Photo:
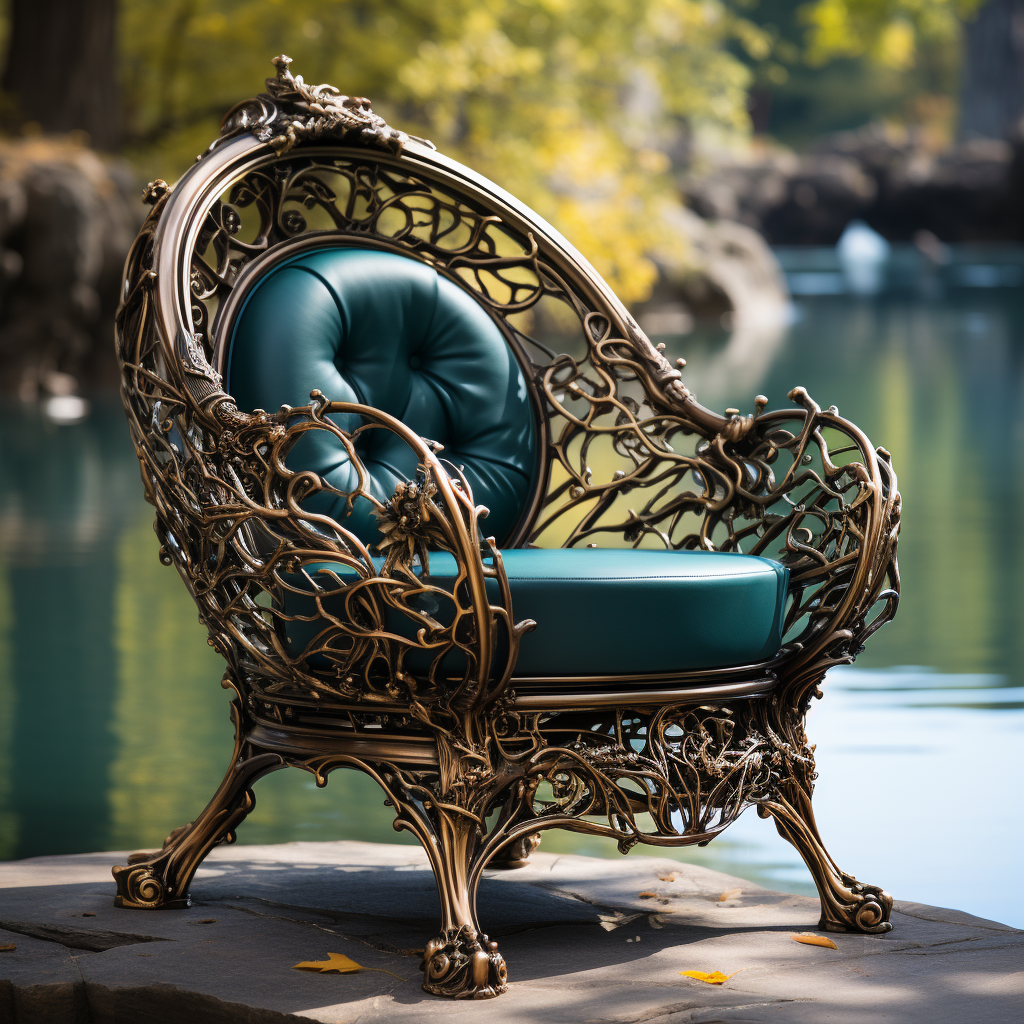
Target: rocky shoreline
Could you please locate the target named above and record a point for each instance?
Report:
(971, 192)
(586, 940)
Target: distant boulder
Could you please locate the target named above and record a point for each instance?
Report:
(969, 193)
(67, 220)
(823, 195)
(728, 274)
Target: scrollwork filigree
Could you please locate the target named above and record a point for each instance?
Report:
(464, 965)
(410, 677)
(291, 112)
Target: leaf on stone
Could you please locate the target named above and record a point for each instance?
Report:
(730, 894)
(648, 895)
(609, 922)
(335, 962)
(668, 876)
(338, 963)
(811, 939)
(712, 978)
(7, 947)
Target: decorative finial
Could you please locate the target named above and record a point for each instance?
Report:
(290, 111)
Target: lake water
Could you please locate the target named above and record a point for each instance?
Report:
(114, 730)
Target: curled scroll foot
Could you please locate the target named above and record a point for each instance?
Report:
(161, 880)
(463, 964)
(868, 911)
(846, 904)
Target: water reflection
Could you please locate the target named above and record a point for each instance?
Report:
(66, 495)
(941, 383)
(113, 728)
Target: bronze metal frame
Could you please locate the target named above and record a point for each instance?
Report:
(475, 761)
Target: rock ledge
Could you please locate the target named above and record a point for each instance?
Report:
(585, 940)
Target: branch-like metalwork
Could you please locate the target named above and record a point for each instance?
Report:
(349, 654)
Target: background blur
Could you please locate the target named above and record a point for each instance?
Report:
(828, 194)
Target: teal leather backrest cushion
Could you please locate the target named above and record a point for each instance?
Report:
(389, 332)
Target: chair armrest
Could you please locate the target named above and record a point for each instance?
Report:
(803, 486)
(806, 487)
(258, 539)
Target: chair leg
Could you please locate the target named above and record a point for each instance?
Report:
(462, 962)
(162, 879)
(846, 904)
(515, 855)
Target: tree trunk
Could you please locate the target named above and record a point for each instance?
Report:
(992, 97)
(62, 66)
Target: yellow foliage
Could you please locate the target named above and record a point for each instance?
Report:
(895, 46)
(571, 105)
(887, 31)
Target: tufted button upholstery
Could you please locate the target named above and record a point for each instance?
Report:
(389, 332)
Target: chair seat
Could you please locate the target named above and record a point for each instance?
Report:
(621, 612)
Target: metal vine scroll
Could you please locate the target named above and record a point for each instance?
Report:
(347, 654)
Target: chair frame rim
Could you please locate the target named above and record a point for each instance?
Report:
(689, 750)
(198, 189)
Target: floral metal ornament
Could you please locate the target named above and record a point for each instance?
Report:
(410, 678)
(409, 522)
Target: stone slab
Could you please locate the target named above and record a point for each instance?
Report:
(581, 944)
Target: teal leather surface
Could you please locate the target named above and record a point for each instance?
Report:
(610, 612)
(386, 331)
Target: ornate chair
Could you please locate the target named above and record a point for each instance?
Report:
(422, 342)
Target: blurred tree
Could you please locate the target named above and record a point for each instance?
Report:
(992, 95)
(61, 67)
(578, 107)
(888, 31)
(839, 64)
(892, 32)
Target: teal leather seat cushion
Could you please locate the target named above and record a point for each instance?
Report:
(389, 332)
(614, 612)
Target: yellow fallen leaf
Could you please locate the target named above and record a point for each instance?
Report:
(730, 894)
(609, 922)
(7, 947)
(338, 963)
(714, 978)
(815, 940)
(668, 876)
(648, 895)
